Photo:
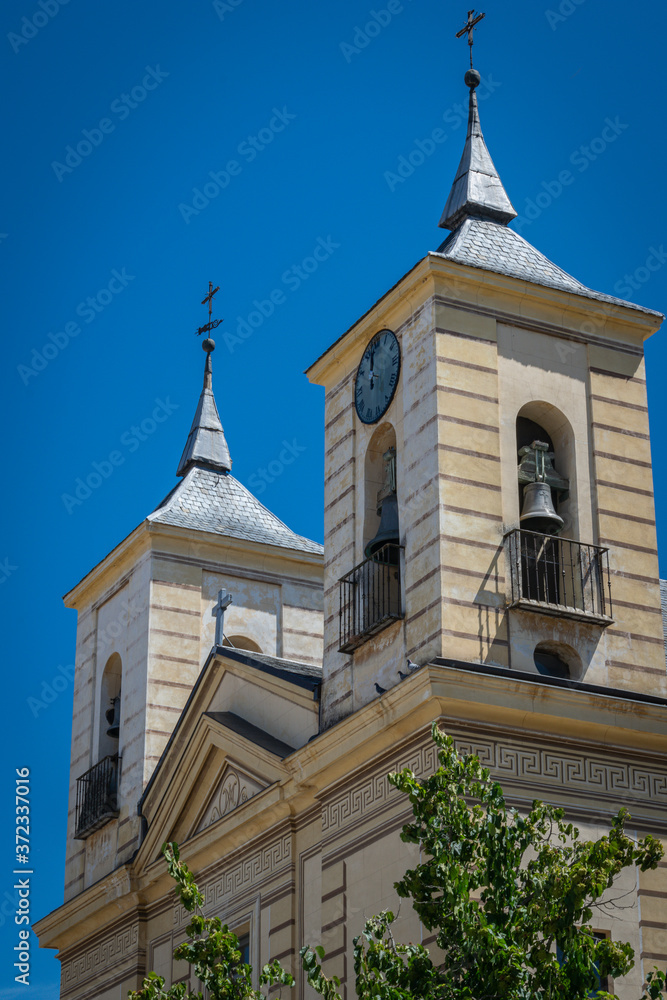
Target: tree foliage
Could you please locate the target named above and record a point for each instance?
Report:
(500, 890)
(212, 949)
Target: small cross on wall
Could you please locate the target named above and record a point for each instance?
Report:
(224, 600)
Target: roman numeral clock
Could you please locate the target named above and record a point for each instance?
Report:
(377, 377)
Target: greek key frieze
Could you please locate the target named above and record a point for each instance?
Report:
(508, 761)
(239, 876)
(110, 951)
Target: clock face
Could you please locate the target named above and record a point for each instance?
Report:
(377, 377)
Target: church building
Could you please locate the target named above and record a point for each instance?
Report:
(489, 561)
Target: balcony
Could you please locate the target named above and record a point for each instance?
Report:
(97, 796)
(370, 597)
(558, 576)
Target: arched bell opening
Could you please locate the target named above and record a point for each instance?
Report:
(381, 524)
(242, 642)
(546, 470)
(110, 706)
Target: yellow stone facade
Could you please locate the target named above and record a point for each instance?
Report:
(268, 762)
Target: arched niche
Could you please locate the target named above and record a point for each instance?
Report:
(558, 659)
(543, 421)
(110, 689)
(384, 438)
(242, 642)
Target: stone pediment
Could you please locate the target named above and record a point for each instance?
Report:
(234, 787)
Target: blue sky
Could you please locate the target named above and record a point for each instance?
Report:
(226, 141)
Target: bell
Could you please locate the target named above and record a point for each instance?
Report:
(388, 528)
(113, 718)
(538, 512)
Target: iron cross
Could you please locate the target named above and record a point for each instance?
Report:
(224, 600)
(469, 26)
(211, 325)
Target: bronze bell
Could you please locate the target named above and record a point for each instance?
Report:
(388, 528)
(538, 512)
(113, 718)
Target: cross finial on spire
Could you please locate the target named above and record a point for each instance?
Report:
(224, 600)
(469, 27)
(211, 325)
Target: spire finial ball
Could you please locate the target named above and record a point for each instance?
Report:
(208, 345)
(472, 79)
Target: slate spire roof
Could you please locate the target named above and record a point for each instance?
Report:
(478, 211)
(209, 498)
(477, 191)
(206, 445)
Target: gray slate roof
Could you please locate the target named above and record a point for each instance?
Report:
(206, 442)
(477, 189)
(491, 246)
(663, 602)
(217, 502)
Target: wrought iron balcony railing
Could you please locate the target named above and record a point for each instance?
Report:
(97, 796)
(370, 597)
(559, 576)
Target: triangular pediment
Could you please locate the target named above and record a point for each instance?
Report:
(233, 789)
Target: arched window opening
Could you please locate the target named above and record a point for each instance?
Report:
(110, 705)
(380, 501)
(242, 642)
(545, 456)
(557, 659)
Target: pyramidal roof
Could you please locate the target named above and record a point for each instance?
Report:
(493, 247)
(212, 501)
(478, 211)
(209, 498)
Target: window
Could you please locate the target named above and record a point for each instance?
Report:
(110, 707)
(557, 659)
(605, 983)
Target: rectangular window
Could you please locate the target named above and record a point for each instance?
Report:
(604, 983)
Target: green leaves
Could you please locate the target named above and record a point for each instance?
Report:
(212, 949)
(500, 890)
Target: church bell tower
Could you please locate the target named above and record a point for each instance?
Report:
(488, 493)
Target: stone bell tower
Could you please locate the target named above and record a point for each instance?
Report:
(522, 522)
(147, 625)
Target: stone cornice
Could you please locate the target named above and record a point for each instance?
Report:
(473, 285)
